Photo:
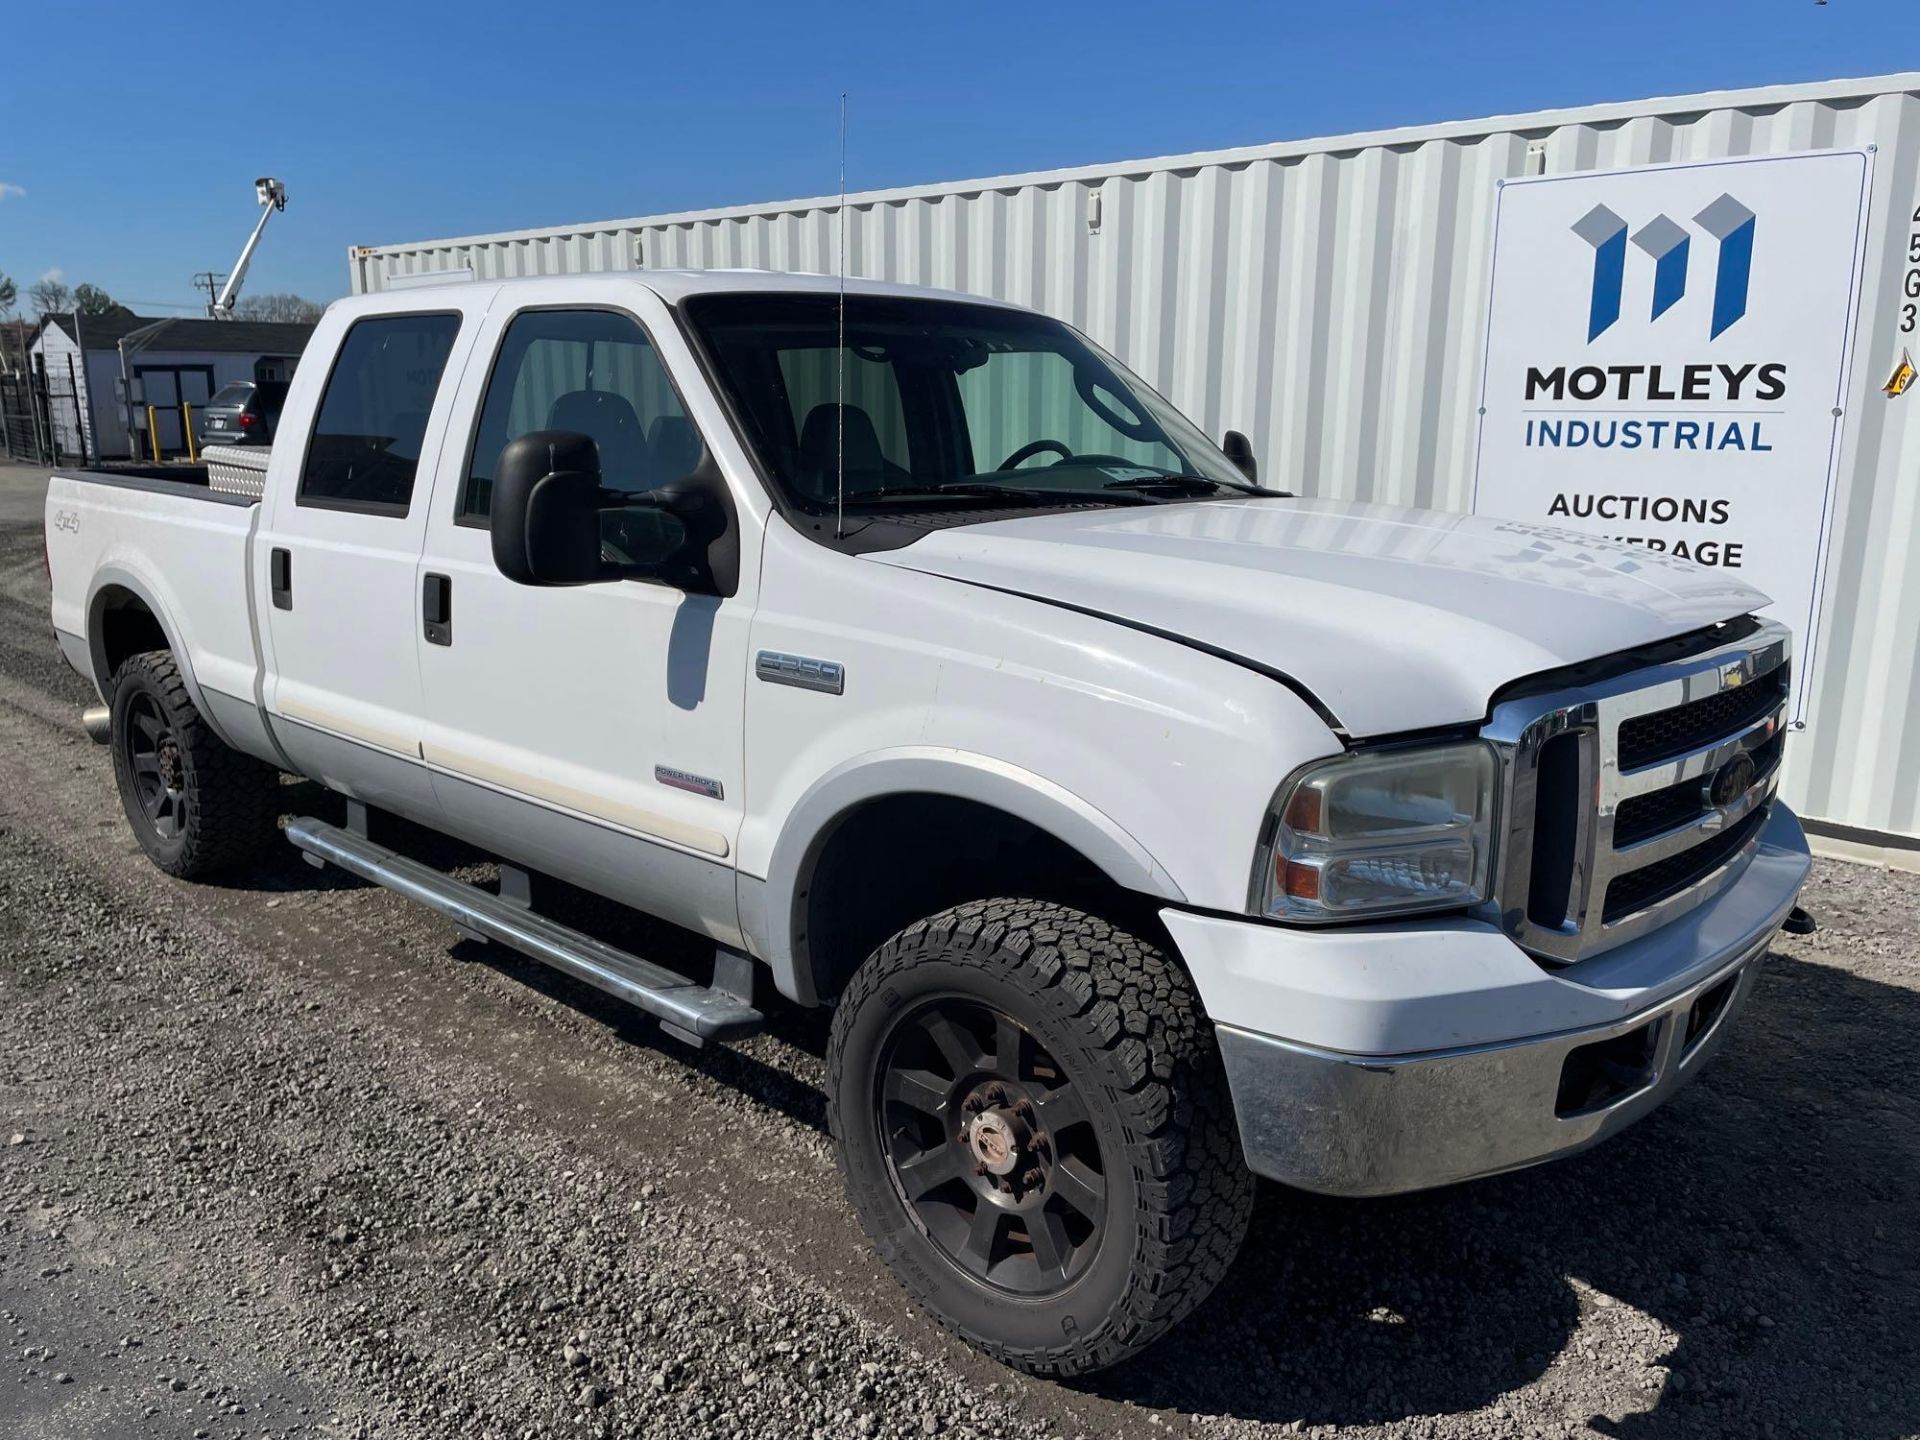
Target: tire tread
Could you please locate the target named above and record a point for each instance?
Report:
(1138, 1006)
(232, 798)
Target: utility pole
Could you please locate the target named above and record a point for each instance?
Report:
(209, 281)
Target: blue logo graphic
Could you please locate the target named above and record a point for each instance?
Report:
(1726, 221)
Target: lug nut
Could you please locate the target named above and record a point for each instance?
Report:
(1031, 1179)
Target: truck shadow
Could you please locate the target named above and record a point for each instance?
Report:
(804, 1030)
(1744, 1261)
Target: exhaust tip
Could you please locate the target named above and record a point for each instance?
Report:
(1799, 922)
(97, 721)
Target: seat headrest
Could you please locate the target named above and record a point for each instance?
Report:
(610, 421)
(820, 448)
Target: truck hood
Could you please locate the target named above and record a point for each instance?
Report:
(1393, 619)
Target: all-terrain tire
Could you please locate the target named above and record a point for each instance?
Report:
(1120, 1020)
(217, 808)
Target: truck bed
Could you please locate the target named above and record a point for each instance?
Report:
(125, 539)
(187, 481)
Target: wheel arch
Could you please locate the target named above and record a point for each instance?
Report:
(124, 615)
(977, 789)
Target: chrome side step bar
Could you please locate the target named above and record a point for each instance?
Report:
(690, 1011)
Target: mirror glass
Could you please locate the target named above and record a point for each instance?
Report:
(640, 535)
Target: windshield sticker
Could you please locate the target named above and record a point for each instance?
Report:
(1130, 472)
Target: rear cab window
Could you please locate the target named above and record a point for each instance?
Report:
(365, 447)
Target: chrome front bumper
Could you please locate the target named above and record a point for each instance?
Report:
(1360, 1124)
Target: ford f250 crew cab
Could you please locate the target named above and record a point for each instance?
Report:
(1149, 830)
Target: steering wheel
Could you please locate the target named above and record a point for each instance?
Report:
(1031, 449)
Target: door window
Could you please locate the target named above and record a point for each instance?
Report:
(373, 416)
(589, 371)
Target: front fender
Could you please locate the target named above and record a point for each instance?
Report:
(770, 910)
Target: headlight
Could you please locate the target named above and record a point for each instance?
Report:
(1379, 833)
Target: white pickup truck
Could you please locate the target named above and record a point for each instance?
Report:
(1148, 829)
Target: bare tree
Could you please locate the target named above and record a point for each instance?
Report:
(9, 297)
(295, 308)
(50, 296)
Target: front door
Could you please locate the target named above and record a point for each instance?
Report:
(339, 543)
(592, 731)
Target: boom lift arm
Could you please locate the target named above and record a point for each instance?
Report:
(272, 196)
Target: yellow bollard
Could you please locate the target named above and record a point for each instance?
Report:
(186, 428)
(153, 435)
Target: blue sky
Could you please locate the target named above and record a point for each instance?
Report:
(400, 122)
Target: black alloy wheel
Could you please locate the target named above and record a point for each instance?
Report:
(197, 806)
(990, 1146)
(152, 755)
(1030, 1114)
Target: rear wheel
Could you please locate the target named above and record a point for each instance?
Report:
(1034, 1127)
(197, 806)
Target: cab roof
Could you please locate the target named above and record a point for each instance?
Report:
(676, 285)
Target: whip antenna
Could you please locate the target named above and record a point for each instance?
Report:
(840, 353)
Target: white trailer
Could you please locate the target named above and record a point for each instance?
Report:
(1330, 297)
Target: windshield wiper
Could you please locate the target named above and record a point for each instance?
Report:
(972, 490)
(1188, 483)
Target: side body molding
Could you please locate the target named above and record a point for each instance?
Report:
(772, 913)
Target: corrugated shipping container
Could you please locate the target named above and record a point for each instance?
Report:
(1329, 297)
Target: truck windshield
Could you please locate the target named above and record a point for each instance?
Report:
(944, 399)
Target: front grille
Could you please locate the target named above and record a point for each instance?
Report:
(1649, 739)
(1641, 817)
(1657, 812)
(1650, 884)
(1557, 792)
(1610, 828)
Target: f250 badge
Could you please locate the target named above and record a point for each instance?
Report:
(68, 520)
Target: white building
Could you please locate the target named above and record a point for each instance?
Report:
(175, 364)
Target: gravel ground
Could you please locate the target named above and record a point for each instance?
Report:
(286, 1158)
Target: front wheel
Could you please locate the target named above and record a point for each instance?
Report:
(1032, 1121)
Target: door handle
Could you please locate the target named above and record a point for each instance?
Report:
(280, 578)
(436, 609)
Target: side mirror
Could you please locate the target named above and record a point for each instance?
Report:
(1237, 448)
(545, 512)
(554, 524)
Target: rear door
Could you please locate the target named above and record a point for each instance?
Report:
(340, 541)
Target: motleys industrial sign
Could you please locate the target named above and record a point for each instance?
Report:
(1667, 361)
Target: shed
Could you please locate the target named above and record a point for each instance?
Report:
(176, 363)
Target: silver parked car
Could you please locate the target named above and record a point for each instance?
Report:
(243, 413)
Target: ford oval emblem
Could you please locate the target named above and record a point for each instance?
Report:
(1730, 781)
